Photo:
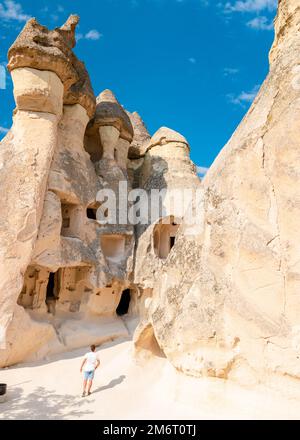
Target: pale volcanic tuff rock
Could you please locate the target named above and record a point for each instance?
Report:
(167, 162)
(109, 132)
(109, 112)
(220, 299)
(287, 23)
(51, 259)
(165, 136)
(166, 166)
(51, 50)
(226, 303)
(141, 137)
(137, 149)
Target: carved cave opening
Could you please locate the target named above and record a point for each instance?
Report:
(70, 220)
(91, 213)
(92, 209)
(52, 291)
(63, 289)
(123, 306)
(164, 238)
(113, 246)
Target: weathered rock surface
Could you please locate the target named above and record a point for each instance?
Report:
(218, 298)
(166, 167)
(51, 258)
(226, 302)
(109, 112)
(141, 137)
(25, 158)
(40, 48)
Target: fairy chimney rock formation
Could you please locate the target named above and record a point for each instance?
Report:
(231, 294)
(166, 136)
(222, 300)
(167, 162)
(51, 51)
(167, 167)
(141, 137)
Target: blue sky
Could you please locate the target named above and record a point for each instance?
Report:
(191, 65)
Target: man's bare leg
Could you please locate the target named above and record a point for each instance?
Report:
(84, 387)
(90, 386)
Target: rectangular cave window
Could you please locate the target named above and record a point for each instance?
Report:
(113, 246)
(172, 242)
(91, 211)
(66, 219)
(70, 220)
(164, 238)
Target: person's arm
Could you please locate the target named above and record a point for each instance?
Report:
(83, 362)
(97, 365)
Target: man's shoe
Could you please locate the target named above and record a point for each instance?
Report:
(83, 394)
(89, 393)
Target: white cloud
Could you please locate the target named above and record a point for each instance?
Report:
(3, 130)
(93, 35)
(261, 23)
(10, 10)
(229, 71)
(251, 6)
(201, 171)
(2, 76)
(244, 97)
(192, 60)
(56, 15)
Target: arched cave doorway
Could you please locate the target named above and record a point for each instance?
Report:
(124, 303)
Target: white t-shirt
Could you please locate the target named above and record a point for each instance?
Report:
(91, 361)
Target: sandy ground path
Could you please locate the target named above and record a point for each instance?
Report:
(125, 390)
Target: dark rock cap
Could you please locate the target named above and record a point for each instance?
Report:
(43, 49)
(110, 112)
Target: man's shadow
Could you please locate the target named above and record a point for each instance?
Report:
(111, 384)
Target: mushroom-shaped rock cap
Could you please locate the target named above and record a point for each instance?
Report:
(43, 49)
(110, 112)
(141, 137)
(165, 136)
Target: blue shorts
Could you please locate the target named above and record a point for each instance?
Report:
(89, 375)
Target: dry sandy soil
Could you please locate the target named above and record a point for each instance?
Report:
(127, 389)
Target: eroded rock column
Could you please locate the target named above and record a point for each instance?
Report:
(25, 159)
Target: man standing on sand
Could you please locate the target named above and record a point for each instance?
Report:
(90, 364)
